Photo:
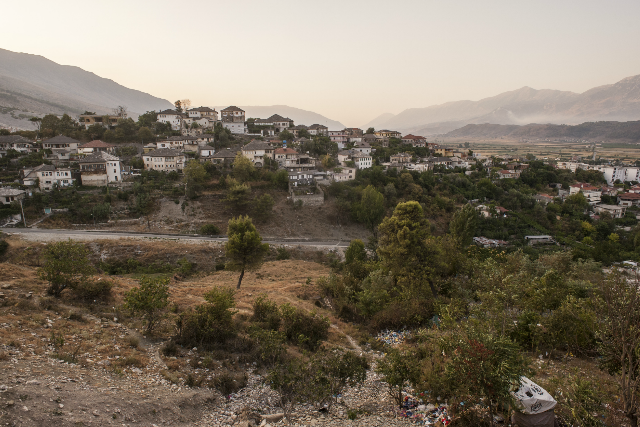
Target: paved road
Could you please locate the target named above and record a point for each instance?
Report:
(58, 234)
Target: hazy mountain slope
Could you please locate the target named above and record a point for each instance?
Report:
(598, 131)
(299, 116)
(619, 101)
(378, 122)
(37, 85)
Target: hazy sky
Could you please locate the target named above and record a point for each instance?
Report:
(348, 60)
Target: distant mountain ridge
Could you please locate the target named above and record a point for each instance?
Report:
(34, 85)
(594, 131)
(614, 102)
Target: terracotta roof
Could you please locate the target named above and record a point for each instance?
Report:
(96, 144)
(164, 152)
(286, 151)
(233, 108)
(61, 139)
(629, 196)
(413, 137)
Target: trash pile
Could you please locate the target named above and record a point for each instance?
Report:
(420, 413)
(393, 337)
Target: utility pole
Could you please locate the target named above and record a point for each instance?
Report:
(24, 221)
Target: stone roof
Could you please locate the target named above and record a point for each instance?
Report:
(170, 112)
(401, 155)
(61, 139)
(180, 138)
(99, 158)
(233, 108)
(279, 118)
(203, 110)
(8, 191)
(96, 144)
(13, 139)
(228, 153)
(256, 145)
(317, 126)
(164, 152)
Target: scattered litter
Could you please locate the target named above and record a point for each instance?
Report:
(393, 337)
(420, 413)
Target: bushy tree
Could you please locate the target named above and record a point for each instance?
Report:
(66, 266)
(463, 225)
(370, 210)
(243, 168)
(263, 207)
(209, 323)
(150, 300)
(244, 248)
(237, 194)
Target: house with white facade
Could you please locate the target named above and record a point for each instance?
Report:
(203, 112)
(317, 129)
(362, 147)
(593, 194)
(164, 159)
(96, 146)
(342, 174)
(233, 118)
(614, 210)
(361, 160)
(47, 177)
(16, 142)
(415, 141)
(256, 151)
(61, 143)
(173, 117)
(9, 195)
(100, 169)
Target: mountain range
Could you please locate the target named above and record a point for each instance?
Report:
(614, 102)
(33, 85)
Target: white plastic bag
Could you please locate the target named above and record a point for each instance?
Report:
(533, 399)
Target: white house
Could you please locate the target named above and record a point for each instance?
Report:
(164, 159)
(48, 177)
(172, 117)
(100, 169)
(256, 151)
(9, 195)
(96, 146)
(61, 143)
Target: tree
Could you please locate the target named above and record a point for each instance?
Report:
(483, 367)
(144, 133)
(186, 104)
(370, 210)
(120, 111)
(370, 131)
(463, 225)
(281, 179)
(405, 249)
(178, 105)
(285, 135)
(398, 368)
(66, 266)
(151, 298)
(243, 168)
(263, 207)
(148, 119)
(195, 172)
(619, 312)
(237, 195)
(327, 162)
(244, 247)
(36, 121)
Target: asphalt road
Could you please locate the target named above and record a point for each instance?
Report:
(55, 234)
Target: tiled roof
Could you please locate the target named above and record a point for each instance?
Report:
(286, 151)
(99, 158)
(8, 191)
(96, 144)
(170, 112)
(13, 139)
(164, 152)
(629, 196)
(233, 108)
(228, 153)
(61, 139)
(256, 145)
(203, 110)
(279, 118)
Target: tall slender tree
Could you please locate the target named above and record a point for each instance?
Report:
(244, 249)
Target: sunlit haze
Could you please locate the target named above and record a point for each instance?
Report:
(348, 60)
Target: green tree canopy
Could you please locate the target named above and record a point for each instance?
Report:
(370, 210)
(463, 225)
(150, 299)
(66, 266)
(243, 168)
(244, 249)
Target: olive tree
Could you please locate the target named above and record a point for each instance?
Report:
(150, 299)
(244, 249)
(66, 266)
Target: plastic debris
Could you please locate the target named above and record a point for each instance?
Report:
(425, 414)
(393, 337)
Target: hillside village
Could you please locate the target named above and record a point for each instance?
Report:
(384, 250)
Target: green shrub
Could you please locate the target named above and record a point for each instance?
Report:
(94, 289)
(282, 254)
(3, 247)
(150, 300)
(267, 312)
(170, 349)
(66, 266)
(209, 230)
(209, 323)
(307, 330)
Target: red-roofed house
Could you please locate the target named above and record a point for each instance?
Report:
(506, 174)
(96, 146)
(593, 194)
(629, 199)
(416, 141)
